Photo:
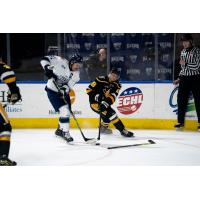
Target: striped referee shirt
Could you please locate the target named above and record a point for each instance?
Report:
(192, 62)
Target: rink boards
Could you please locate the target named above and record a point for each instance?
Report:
(139, 105)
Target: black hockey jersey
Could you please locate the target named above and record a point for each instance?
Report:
(106, 90)
(7, 75)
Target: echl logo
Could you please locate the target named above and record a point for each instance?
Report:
(130, 100)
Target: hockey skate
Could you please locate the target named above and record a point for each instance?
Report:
(65, 135)
(179, 126)
(59, 132)
(126, 133)
(105, 130)
(198, 128)
(5, 161)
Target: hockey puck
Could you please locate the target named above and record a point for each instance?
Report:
(97, 143)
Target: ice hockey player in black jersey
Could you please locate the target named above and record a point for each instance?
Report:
(102, 93)
(7, 76)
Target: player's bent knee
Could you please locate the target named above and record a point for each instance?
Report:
(64, 112)
(5, 127)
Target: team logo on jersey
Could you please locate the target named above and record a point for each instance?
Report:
(63, 66)
(173, 103)
(130, 100)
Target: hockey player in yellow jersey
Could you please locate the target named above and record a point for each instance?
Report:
(7, 76)
(102, 93)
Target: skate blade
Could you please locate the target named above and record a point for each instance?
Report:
(64, 139)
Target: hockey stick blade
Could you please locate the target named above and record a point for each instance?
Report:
(91, 141)
(132, 145)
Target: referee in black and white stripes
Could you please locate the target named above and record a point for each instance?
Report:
(188, 79)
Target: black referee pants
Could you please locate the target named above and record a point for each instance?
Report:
(187, 85)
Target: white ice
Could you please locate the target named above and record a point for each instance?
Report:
(40, 147)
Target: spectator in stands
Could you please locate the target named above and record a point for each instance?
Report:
(96, 64)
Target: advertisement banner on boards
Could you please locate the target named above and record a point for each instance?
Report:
(141, 101)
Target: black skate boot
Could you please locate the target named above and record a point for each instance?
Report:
(67, 137)
(198, 128)
(5, 161)
(105, 130)
(179, 126)
(59, 132)
(126, 133)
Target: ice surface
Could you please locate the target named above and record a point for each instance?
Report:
(40, 147)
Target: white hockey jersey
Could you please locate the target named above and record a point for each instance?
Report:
(60, 67)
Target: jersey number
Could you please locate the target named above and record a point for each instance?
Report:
(93, 84)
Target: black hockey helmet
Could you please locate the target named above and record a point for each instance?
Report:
(116, 71)
(76, 58)
(116, 67)
(186, 37)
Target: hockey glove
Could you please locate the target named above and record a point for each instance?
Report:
(104, 106)
(67, 99)
(14, 95)
(65, 96)
(49, 73)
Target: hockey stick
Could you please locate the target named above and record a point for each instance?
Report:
(89, 140)
(5, 105)
(99, 134)
(132, 145)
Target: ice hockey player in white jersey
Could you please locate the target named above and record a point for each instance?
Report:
(62, 76)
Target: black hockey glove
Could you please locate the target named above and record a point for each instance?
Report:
(49, 73)
(104, 106)
(67, 99)
(13, 95)
(65, 96)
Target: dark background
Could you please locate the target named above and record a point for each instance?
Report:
(143, 56)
